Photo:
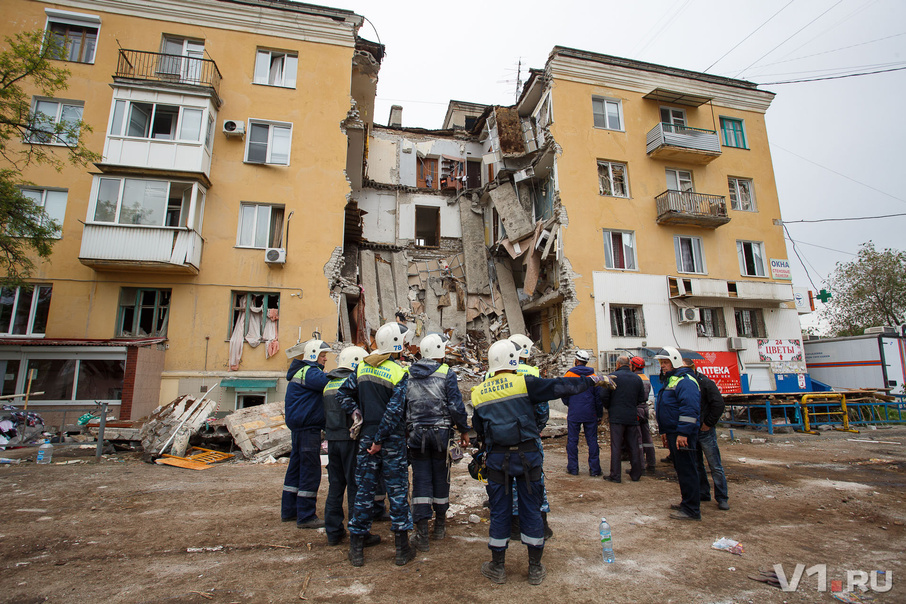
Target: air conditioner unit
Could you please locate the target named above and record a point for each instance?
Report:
(275, 255)
(689, 315)
(883, 329)
(736, 343)
(233, 128)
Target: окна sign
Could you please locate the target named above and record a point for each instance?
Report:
(780, 269)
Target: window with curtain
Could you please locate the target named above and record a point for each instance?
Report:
(619, 250)
(690, 256)
(751, 258)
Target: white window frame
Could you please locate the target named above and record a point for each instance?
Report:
(680, 177)
(698, 255)
(264, 67)
(709, 317)
(609, 167)
(736, 186)
(639, 322)
(41, 202)
(272, 128)
(629, 250)
(241, 395)
(54, 138)
(191, 214)
(605, 102)
(254, 227)
(65, 17)
(5, 330)
(757, 252)
(677, 121)
(188, 64)
(122, 112)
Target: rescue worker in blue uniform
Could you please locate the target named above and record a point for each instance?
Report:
(583, 413)
(678, 409)
(375, 395)
(304, 411)
(508, 420)
(341, 449)
(433, 407)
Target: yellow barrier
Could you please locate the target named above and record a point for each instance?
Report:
(825, 395)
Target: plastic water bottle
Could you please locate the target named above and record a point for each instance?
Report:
(606, 541)
(45, 453)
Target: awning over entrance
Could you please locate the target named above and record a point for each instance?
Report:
(247, 384)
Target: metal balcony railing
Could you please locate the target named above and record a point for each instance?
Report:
(173, 69)
(675, 142)
(690, 208)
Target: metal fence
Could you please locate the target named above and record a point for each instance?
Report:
(160, 67)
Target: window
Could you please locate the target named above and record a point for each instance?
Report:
(734, 135)
(426, 175)
(260, 226)
(55, 122)
(751, 258)
(181, 59)
(679, 180)
(619, 249)
(275, 68)
(145, 202)
(53, 202)
(157, 121)
(626, 321)
(750, 323)
(608, 113)
(690, 255)
(268, 143)
(673, 117)
(742, 194)
(711, 323)
(143, 313)
(254, 317)
(23, 311)
(68, 379)
(427, 226)
(76, 34)
(612, 179)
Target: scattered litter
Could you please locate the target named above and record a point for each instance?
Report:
(305, 585)
(769, 577)
(196, 550)
(8, 460)
(877, 442)
(474, 519)
(741, 460)
(853, 598)
(728, 545)
(204, 595)
(732, 568)
(758, 441)
(873, 460)
(70, 462)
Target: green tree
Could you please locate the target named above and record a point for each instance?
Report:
(28, 66)
(867, 292)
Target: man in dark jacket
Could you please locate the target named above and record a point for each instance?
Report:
(304, 411)
(622, 405)
(678, 408)
(712, 409)
(584, 411)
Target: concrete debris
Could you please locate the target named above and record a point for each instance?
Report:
(260, 430)
(171, 426)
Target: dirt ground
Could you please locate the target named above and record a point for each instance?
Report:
(125, 531)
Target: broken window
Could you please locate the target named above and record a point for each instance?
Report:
(473, 174)
(276, 68)
(742, 194)
(543, 197)
(690, 255)
(750, 323)
(250, 399)
(452, 173)
(619, 250)
(612, 179)
(268, 143)
(608, 113)
(427, 173)
(427, 226)
(626, 321)
(711, 323)
(143, 313)
(751, 258)
(254, 320)
(679, 180)
(674, 120)
(260, 226)
(23, 311)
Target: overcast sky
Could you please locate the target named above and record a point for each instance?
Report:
(837, 145)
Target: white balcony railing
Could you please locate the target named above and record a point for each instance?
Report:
(114, 247)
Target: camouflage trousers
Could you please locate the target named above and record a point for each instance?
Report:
(390, 463)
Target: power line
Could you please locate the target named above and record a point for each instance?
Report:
(844, 19)
(830, 249)
(666, 24)
(802, 262)
(795, 33)
(840, 174)
(747, 37)
(833, 50)
(838, 77)
(834, 71)
(844, 219)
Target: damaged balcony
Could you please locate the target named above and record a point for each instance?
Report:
(674, 142)
(687, 208)
(159, 250)
(179, 71)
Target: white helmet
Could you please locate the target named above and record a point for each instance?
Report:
(351, 356)
(313, 349)
(502, 355)
(583, 356)
(433, 346)
(392, 337)
(524, 343)
(671, 354)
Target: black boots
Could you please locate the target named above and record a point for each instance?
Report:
(536, 570)
(420, 539)
(404, 552)
(356, 546)
(440, 528)
(494, 570)
(548, 533)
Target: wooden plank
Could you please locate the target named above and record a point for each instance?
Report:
(181, 462)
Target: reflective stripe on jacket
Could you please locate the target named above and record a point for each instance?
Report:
(304, 406)
(380, 394)
(679, 403)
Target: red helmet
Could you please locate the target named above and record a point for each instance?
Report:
(636, 363)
